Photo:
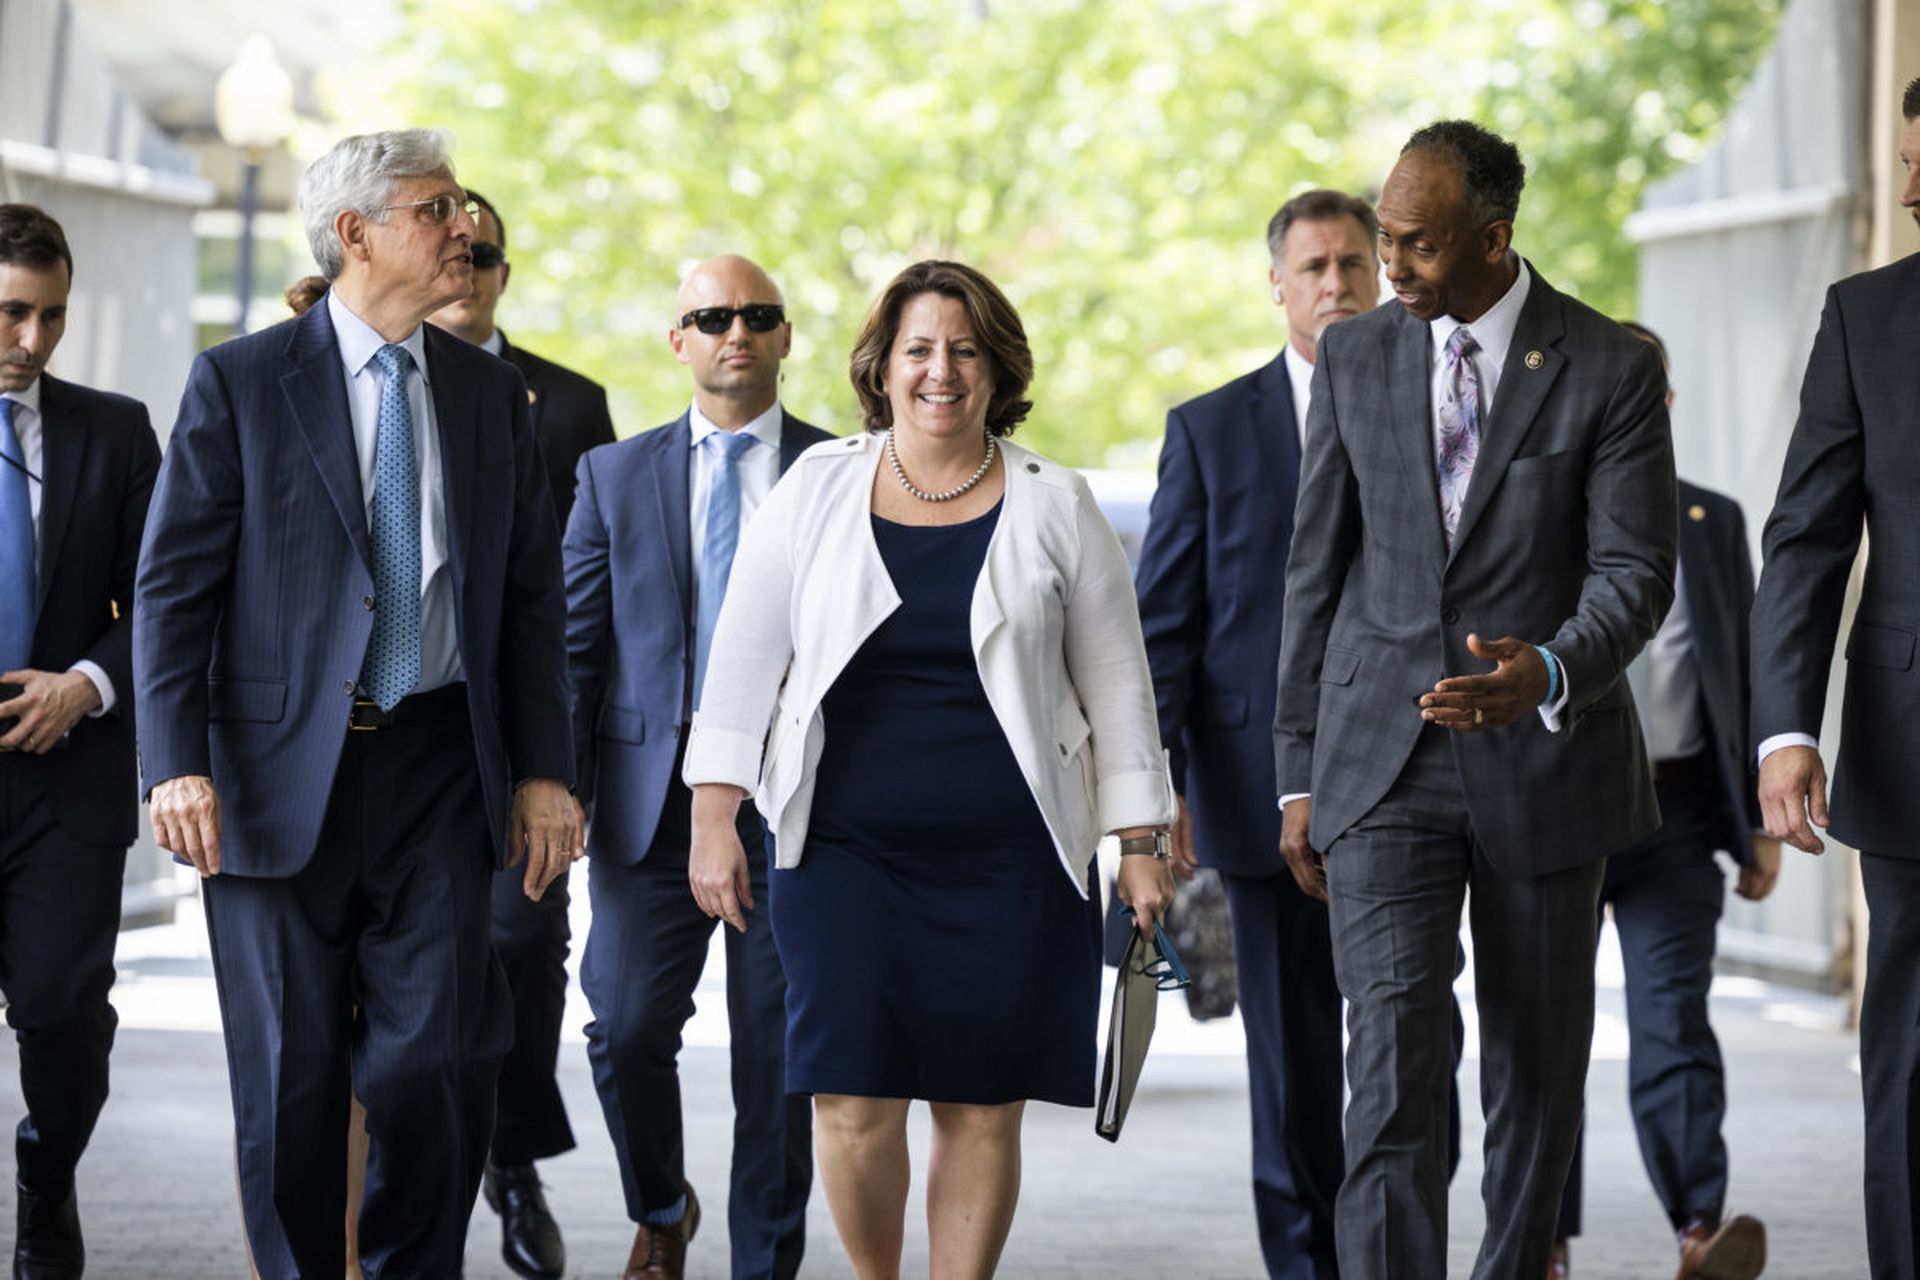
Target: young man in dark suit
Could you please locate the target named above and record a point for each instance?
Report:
(76, 471)
(1488, 481)
(1690, 688)
(1854, 464)
(349, 647)
(648, 553)
(531, 936)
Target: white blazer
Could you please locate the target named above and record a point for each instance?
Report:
(1055, 631)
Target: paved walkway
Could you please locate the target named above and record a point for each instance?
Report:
(1171, 1200)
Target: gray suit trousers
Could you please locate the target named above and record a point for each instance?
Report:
(1397, 881)
(1890, 1063)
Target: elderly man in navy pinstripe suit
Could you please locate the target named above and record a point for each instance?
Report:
(349, 647)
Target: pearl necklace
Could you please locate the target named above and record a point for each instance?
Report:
(945, 495)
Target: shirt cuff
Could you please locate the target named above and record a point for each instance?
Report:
(102, 684)
(1550, 712)
(1779, 740)
(1291, 796)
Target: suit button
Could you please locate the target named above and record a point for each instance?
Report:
(346, 687)
(1449, 615)
(367, 601)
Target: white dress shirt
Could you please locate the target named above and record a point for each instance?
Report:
(759, 469)
(439, 641)
(27, 426)
(1300, 375)
(1670, 715)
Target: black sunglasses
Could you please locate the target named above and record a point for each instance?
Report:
(488, 256)
(761, 317)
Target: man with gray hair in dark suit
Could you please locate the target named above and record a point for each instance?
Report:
(349, 651)
(1485, 458)
(1854, 464)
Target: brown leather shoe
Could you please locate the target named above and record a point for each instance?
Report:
(660, 1253)
(1559, 1262)
(1734, 1250)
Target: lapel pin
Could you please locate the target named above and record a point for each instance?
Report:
(1696, 512)
(1535, 359)
(531, 397)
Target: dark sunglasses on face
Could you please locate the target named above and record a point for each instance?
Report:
(761, 317)
(487, 256)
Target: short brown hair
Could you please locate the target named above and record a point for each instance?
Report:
(996, 327)
(1321, 205)
(30, 238)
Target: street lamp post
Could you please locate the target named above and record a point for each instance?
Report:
(253, 106)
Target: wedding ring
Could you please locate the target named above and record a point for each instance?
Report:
(1477, 717)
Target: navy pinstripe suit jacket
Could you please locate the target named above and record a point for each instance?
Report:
(251, 610)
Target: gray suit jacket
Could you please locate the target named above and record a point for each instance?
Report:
(1566, 538)
(1854, 460)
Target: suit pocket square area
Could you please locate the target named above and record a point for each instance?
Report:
(1876, 646)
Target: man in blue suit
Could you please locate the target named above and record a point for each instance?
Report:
(76, 470)
(648, 550)
(349, 653)
(1210, 604)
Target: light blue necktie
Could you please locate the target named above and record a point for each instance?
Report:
(392, 666)
(723, 537)
(1459, 445)
(16, 549)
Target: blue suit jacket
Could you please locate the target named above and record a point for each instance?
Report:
(1211, 582)
(254, 599)
(100, 456)
(630, 616)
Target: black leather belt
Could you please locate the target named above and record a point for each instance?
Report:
(434, 704)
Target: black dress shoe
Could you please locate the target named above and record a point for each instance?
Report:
(46, 1242)
(530, 1241)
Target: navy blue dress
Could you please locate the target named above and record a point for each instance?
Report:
(934, 946)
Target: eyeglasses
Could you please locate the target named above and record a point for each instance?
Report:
(1164, 966)
(761, 317)
(441, 209)
(487, 256)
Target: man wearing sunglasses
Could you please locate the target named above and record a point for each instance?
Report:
(569, 417)
(348, 653)
(648, 551)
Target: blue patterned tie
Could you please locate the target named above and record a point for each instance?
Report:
(392, 667)
(723, 537)
(1459, 444)
(16, 549)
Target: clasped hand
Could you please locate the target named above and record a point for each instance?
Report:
(48, 705)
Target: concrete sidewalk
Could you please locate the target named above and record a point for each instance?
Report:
(1170, 1200)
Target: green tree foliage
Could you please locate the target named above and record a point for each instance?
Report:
(1113, 165)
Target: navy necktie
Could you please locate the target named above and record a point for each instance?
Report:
(16, 549)
(392, 665)
(723, 538)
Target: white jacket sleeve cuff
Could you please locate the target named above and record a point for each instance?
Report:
(1143, 799)
(722, 755)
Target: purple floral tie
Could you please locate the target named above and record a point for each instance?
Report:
(1459, 443)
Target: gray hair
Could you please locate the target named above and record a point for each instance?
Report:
(358, 174)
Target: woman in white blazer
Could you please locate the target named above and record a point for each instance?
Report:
(929, 673)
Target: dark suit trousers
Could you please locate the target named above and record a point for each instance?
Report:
(1667, 893)
(1396, 882)
(59, 916)
(1890, 1063)
(644, 955)
(531, 940)
(1290, 1007)
(389, 916)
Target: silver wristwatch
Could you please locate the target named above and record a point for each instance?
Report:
(1159, 844)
